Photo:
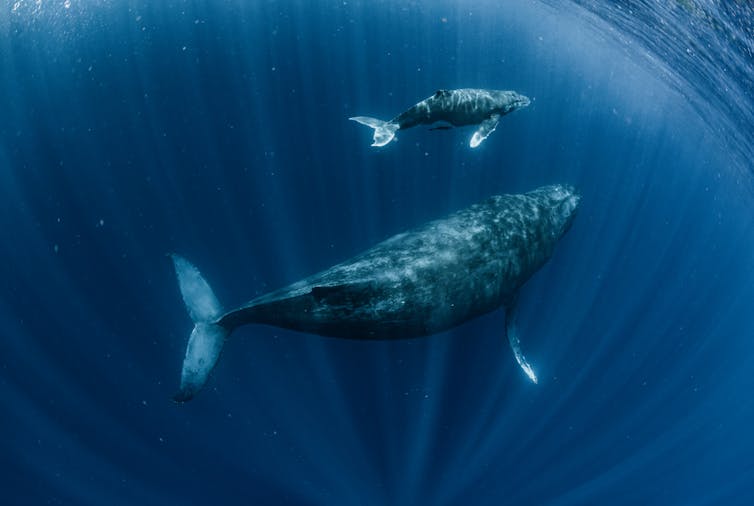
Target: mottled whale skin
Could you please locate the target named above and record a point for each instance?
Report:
(466, 106)
(414, 284)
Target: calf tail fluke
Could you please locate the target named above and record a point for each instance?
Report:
(384, 131)
(208, 336)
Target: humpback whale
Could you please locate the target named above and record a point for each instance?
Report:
(413, 284)
(467, 106)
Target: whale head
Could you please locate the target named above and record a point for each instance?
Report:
(563, 201)
(509, 101)
(520, 101)
(560, 202)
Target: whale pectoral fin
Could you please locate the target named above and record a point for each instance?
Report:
(510, 331)
(486, 127)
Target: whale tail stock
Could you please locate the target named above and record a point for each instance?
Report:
(207, 338)
(384, 131)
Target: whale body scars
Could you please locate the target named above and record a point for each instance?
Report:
(414, 284)
(467, 106)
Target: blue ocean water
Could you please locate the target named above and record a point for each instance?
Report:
(133, 129)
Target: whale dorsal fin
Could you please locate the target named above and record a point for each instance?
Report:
(510, 331)
(441, 93)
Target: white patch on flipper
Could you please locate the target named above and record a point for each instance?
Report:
(510, 330)
(486, 127)
(516, 347)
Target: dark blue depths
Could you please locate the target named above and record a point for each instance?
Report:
(130, 130)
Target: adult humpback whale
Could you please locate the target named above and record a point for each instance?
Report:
(467, 106)
(414, 284)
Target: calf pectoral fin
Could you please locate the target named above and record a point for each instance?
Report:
(510, 331)
(486, 127)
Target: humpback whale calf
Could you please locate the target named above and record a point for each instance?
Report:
(462, 107)
(413, 284)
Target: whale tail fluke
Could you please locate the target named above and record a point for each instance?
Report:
(208, 336)
(384, 131)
